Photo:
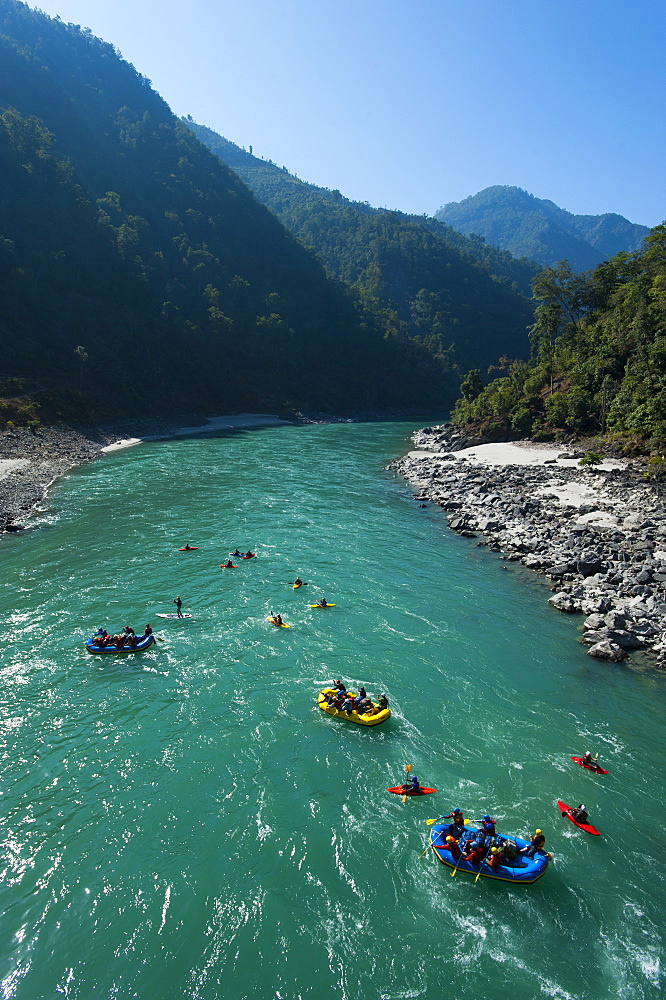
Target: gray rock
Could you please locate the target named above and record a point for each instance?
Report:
(607, 651)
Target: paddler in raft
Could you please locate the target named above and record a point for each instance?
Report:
(536, 844)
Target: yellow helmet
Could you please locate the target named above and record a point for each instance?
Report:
(494, 850)
(537, 831)
(450, 839)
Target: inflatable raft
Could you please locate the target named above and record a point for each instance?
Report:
(363, 719)
(140, 645)
(522, 870)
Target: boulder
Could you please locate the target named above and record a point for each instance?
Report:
(564, 602)
(607, 650)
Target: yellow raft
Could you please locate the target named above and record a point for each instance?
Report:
(363, 719)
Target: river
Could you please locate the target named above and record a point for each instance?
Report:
(185, 823)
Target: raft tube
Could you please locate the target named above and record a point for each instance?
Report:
(140, 646)
(362, 720)
(522, 871)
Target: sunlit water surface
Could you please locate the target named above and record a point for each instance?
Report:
(183, 823)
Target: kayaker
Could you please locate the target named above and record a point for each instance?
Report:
(298, 582)
(188, 547)
(536, 844)
(323, 603)
(488, 826)
(277, 619)
(237, 553)
(229, 564)
(249, 555)
(580, 813)
(452, 847)
(179, 605)
(589, 760)
(411, 785)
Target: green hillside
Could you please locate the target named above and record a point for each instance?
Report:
(514, 220)
(461, 297)
(599, 358)
(122, 235)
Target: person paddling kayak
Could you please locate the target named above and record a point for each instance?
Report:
(412, 785)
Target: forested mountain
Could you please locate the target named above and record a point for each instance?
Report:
(599, 357)
(514, 220)
(464, 298)
(139, 274)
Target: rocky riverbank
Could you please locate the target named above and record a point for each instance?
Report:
(599, 533)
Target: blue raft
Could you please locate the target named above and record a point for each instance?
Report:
(141, 644)
(522, 870)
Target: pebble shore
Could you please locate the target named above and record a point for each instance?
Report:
(598, 534)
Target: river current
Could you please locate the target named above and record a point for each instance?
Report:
(185, 823)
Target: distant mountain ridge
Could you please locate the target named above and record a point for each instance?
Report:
(511, 218)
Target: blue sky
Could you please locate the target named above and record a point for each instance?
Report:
(410, 104)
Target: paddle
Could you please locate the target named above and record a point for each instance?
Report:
(408, 768)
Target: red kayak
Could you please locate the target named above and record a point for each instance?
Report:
(566, 811)
(589, 767)
(192, 548)
(399, 790)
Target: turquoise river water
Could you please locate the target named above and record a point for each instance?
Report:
(184, 823)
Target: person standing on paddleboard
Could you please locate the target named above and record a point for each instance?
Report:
(179, 605)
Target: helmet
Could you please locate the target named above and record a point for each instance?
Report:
(494, 850)
(450, 839)
(587, 754)
(581, 806)
(537, 831)
(486, 816)
(456, 810)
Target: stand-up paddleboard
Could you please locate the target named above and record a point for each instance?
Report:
(323, 606)
(173, 616)
(192, 548)
(399, 790)
(589, 767)
(273, 622)
(566, 811)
